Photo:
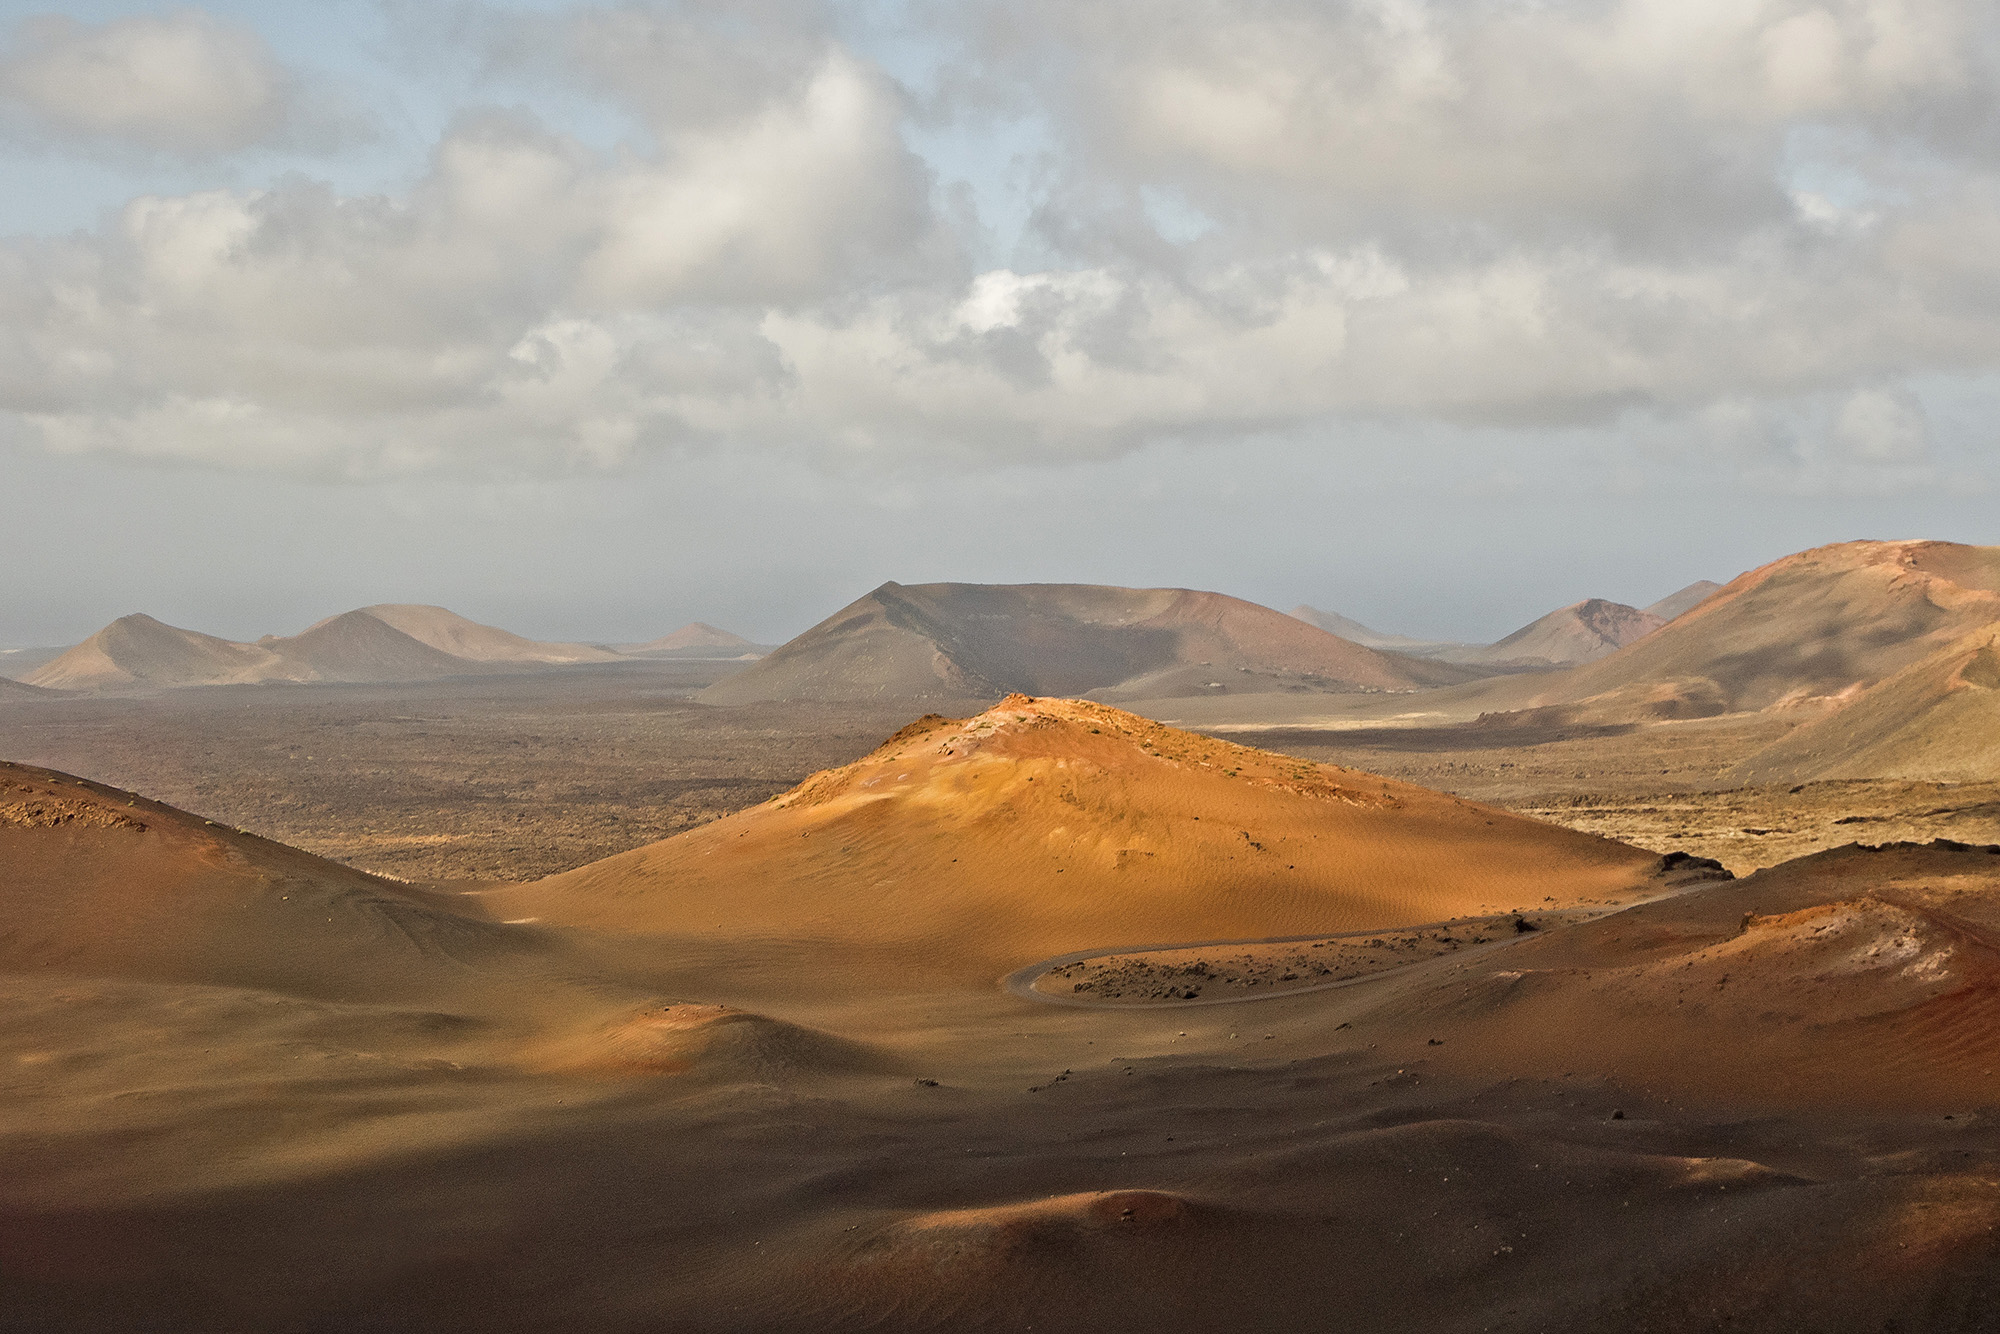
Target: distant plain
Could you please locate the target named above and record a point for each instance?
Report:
(517, 777)
(505, 778)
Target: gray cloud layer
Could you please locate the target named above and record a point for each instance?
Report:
(1754, 225)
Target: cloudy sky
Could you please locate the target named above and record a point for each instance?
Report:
(593, 319)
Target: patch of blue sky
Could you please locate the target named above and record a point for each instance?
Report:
(1172, 216)
(1829, 165)
(396, 75)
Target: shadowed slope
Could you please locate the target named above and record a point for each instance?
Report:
(971, 642)
(102, 883)
(1938, 720)
(1044, 826)
(357, 647)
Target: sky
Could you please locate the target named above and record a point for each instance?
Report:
(592, 319)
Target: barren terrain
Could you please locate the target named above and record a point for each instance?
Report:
(1250, 970)
(764, 1076)
(1666, 787)
(509, 778)
(519, 777)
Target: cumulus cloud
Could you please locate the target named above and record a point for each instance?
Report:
(529, 306)
(1489, 214)
(182, 83)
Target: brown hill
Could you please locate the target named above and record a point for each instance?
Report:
(1686, 600)
(1936, 720)
(103, 883)
(1048, 825)
(1867, 975)
(359, 647)
(16, 690)
(448, 632)
(1813, 629)
(1581, 632)
(138, 652)
(695, 639)
(375, 644)
(959, 643)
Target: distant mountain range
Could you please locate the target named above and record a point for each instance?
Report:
(1581, 632)
(390, 642)
(1336, 624)
(977, 642)
(696, 640)
(1887, 654)
(1886, 650)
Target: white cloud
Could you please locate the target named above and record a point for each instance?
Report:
(529, 306)
(1642, 118)
(801, 188)
(183, 83)
(1479, 213)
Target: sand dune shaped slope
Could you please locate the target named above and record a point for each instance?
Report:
(96, 882)
(1048, 825)
(1437, 1224)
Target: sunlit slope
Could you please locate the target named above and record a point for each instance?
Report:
(138, 651)
(97, 882)
(1048, 825)
(1811, 627)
